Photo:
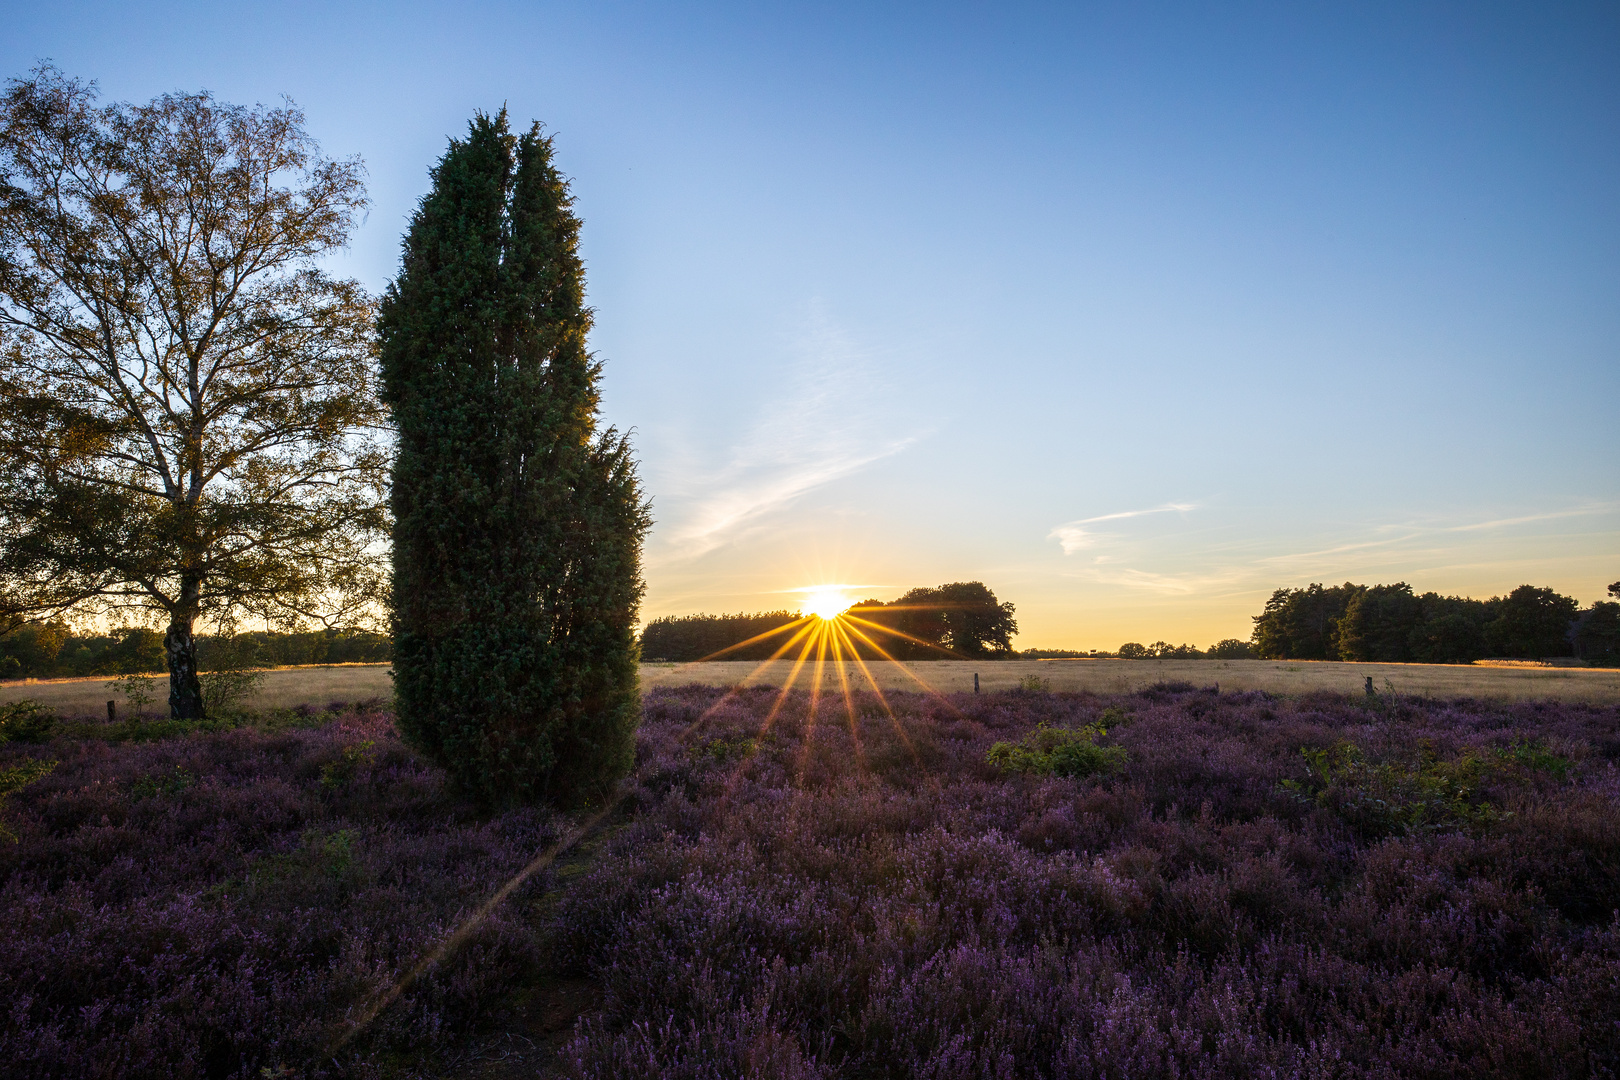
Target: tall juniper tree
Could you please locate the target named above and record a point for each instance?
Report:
(518, 526)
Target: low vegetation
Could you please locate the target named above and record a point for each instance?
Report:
(885, 901)
(1057, 751)
(185, 902)
(1173, 882)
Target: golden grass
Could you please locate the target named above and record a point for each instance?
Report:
(319, 685)
(282, 688)
(1598, 685)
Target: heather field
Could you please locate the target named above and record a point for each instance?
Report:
(1171, 882)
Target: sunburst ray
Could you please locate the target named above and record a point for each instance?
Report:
(912, 675)
(743, 682)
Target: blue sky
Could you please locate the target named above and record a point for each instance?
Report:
(1133, 312)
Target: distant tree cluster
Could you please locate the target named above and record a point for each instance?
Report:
(1391, 623)
(1231, 649)
(50, 650)
(962, 619)
(1063, 654)
(1159, 650)
(1227, 649)
(683, 638)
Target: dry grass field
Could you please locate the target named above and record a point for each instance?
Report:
(282, 688)
(1598, 685)
(319, 685)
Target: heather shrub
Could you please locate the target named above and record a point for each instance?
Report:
(832, 888)
(216, 903)
(873, 890)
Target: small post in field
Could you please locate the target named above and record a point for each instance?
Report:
(1370, 691)
(975, 682)
(112, 712)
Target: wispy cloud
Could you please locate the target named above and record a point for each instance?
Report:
(1502, 523)
(1406, 540)
(1242, 565)
(1076, 535)
(828, 421)
(747, 492)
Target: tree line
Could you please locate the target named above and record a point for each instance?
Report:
(1392, 623)
(1226, 649)
(960, 620)
(52, 650)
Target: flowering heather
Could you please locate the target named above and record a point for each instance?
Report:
(817, 901)
(215, 904)
(1233, 886)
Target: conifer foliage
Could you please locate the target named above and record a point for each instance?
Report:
(518, 526)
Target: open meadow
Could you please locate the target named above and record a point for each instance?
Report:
(1125, 676)
(322, 685)
(1170, 882)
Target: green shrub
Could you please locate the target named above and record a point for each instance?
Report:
(322, 865)
(139, 691)
(164, 783)
(1394, 797)
(341, 773)
(724, 751)
(226, 693)
(26, 721)
(19, 776)
(233, 674)
(1053, 751)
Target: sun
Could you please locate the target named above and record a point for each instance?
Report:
(825, 602)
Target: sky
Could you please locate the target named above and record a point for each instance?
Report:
(1134, 312)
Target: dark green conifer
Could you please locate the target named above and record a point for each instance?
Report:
(517, 526)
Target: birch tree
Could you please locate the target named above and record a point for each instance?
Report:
(188, 407)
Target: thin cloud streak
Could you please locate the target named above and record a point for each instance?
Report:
(826, 423)
(722, 515)
(1074, 536)
(1263, 571)
(1501, 523)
